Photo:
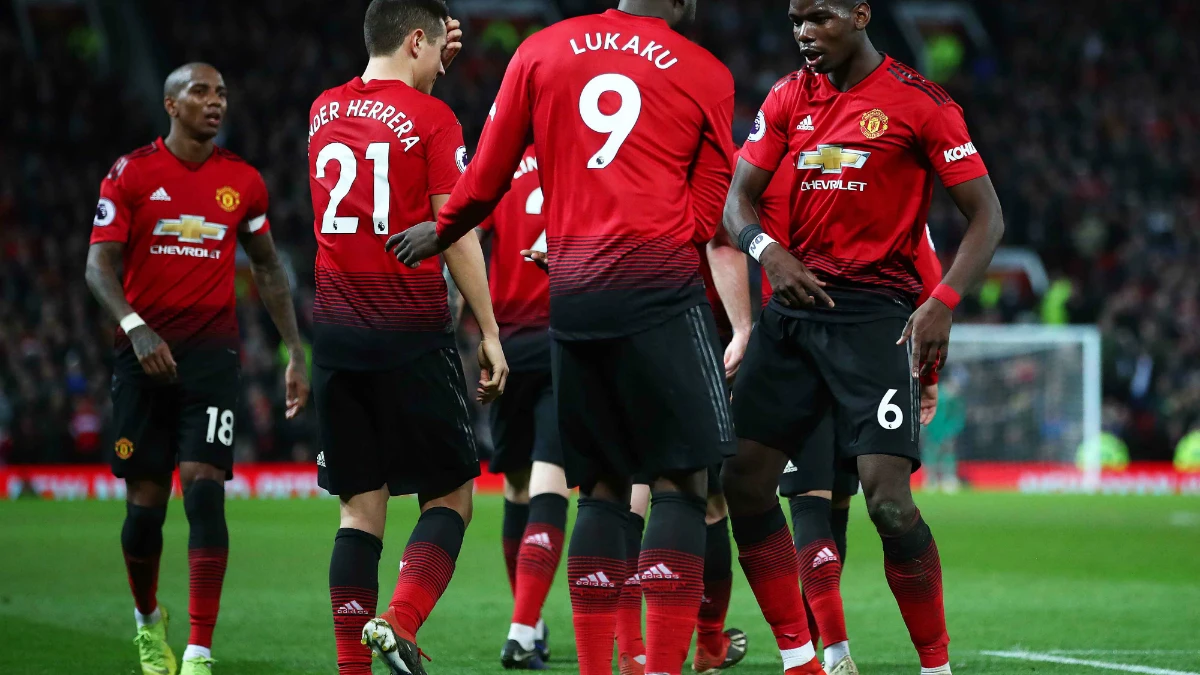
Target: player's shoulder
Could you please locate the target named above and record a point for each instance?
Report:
(131, 162)
(908, 83)
(235, 164)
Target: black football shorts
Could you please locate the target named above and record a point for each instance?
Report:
(646, 404)
(524, 423)
(798, 371)
(159, 425)
(408, 428)
(817, 468)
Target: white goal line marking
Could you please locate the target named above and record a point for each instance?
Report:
(1114, 652)
(1105, 665)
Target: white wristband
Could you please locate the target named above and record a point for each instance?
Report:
(131, 321)
(760, 244)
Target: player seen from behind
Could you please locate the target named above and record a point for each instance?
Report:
(161, 263)
(863, 136)
(388, 383)
(631, 124)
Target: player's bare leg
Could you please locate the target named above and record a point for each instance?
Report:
(425, 572)
(208, 553)
(717, 648)
(354, 576)
(631, 648)
(910, 557)
(141, 542)
(596, 569)
(766, 552)
(820, 576)
(537, 561)
(516, 517)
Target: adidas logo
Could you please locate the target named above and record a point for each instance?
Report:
(660, 572)
(597, 580)
(634, 580)
(824, 556)
(790, 468)
(705, 600)
(160, 195)
(540, 539)
(352, 607)
(321, 458)
(806, 124)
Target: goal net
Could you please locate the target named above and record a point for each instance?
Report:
(1019, 396)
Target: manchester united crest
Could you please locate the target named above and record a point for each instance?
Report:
(873, 123)
(124, 448)
(229, 199)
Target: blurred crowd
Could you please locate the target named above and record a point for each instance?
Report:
(1090, 132)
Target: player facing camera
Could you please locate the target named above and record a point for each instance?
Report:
(829, 32)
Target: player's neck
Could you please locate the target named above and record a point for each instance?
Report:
(187, 148)
(388, 68)
(649, 8)
(856, 68)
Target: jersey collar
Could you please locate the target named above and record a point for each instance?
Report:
(190, 166)
(867, 81)
(618, 14)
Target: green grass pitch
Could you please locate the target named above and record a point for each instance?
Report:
(1114, 580)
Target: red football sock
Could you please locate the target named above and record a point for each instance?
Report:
(541, 551)
(814, 631)
(512, 529)
(143, 581)
(768, 558)
(821, 575)
(426, 567)
(629, 610)
(595, 571)
(914, 573)
(353, 592)
(672, 575)
(206, 574)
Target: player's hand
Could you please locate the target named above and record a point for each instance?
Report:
(929, 330)
(295, 378)
(929, 398)
(734, 354)
(154, 354)
(794, 284)
(415, 244)
(454, 45)
(493, 371)
(537, 258)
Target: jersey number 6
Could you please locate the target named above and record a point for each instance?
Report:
(617, 125)
(331, 223)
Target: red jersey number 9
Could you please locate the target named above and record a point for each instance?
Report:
(617, 125)
(331, 223)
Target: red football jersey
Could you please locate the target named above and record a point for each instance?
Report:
(520, 290)
(377, 151)
(179, 223)
(631, 124)
(862, 164)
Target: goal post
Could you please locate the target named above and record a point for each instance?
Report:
(1029, 394)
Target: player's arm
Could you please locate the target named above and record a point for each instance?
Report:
(793, 283)
(731, 276)
(929, 269)
(487, 178)
(464, 259)
(276, 292)
(103, 277)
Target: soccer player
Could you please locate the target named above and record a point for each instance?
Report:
(631, 126)
(388, 383)
(864, 137)
(161, 263)
(524, 422)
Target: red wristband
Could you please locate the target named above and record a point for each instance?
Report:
(946, 295)
(931, 378)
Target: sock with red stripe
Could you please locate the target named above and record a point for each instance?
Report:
(718, 578)
(142, 542)
(208, 553)
(512, 527)
(425, 568)
(629, 610)
(672, 574)
(353, 592)
(820, 572)
(596, 573)
(541, 551)
(914, 573)
(768, 558)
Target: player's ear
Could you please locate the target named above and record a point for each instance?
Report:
(862, 15)
(169, 106)
(419, 41)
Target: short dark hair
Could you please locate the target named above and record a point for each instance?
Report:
(389, 22)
